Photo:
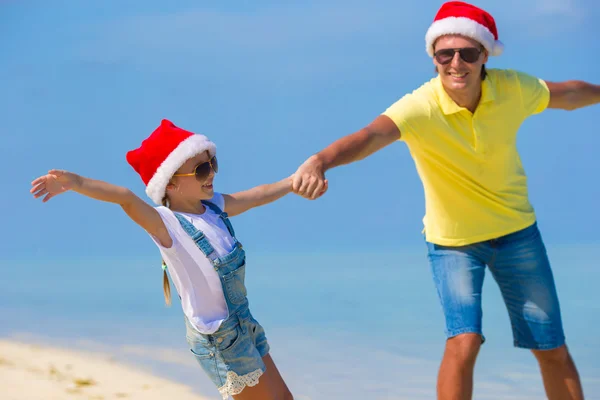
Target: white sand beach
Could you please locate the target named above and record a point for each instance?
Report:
(36, 372)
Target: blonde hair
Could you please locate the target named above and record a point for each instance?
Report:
(166, 285)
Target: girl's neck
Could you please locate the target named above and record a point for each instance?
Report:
(188, 207)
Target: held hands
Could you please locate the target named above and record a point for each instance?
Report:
(54, 183)
(309, 180)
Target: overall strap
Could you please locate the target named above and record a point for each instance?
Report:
(223, 216)
(198, 237)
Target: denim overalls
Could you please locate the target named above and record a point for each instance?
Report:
(232, 356)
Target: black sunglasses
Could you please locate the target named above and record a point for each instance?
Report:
(202, 171)
(467, 54)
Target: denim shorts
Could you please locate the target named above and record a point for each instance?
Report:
(520, 266)
(232, 357)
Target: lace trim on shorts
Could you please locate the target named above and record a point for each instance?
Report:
(235, 383)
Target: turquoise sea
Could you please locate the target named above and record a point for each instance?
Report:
(341, 326)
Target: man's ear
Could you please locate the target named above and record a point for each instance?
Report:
(486, 55)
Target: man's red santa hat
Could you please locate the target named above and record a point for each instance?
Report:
(459, 18)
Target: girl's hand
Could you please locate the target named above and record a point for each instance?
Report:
(54, 183)
(309, 180)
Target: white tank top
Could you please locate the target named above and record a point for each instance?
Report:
(193, 275)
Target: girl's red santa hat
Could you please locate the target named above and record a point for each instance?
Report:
(459, 18)
(163, 153)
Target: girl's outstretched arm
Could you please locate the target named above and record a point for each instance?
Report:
(59, 181)
(241, 202)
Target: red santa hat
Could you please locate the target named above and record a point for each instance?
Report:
(459, 18)
(163, 153)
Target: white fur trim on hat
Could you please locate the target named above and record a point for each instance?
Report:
(187, 149)
(465, 27)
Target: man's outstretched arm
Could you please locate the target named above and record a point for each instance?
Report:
(571, 95)
(309, 180)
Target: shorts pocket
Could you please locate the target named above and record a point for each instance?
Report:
(200, 344)
(201, 349)
(235, 285)
(227, 339)
(201, 355)
(206, 357)
(259, 337)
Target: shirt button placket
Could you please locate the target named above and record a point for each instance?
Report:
(479, 145)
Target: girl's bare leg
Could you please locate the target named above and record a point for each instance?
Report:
(271, 385)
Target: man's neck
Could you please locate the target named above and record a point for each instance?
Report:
(466, 99)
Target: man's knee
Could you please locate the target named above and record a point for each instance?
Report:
(464, 348)
(556, 356)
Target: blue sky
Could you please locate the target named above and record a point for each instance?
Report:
(270, 83)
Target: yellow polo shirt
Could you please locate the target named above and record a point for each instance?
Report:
(474, 182)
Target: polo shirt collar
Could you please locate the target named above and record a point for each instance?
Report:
(448, 105)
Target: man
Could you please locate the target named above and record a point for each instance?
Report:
(461, 130)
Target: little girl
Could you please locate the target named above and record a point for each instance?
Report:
(200, 251)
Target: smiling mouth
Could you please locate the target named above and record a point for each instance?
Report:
(208, 186)
(457, 75)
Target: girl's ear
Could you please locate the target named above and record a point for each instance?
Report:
(170, 189)
(171, 185)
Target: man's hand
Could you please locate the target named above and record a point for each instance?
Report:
(309, 180)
